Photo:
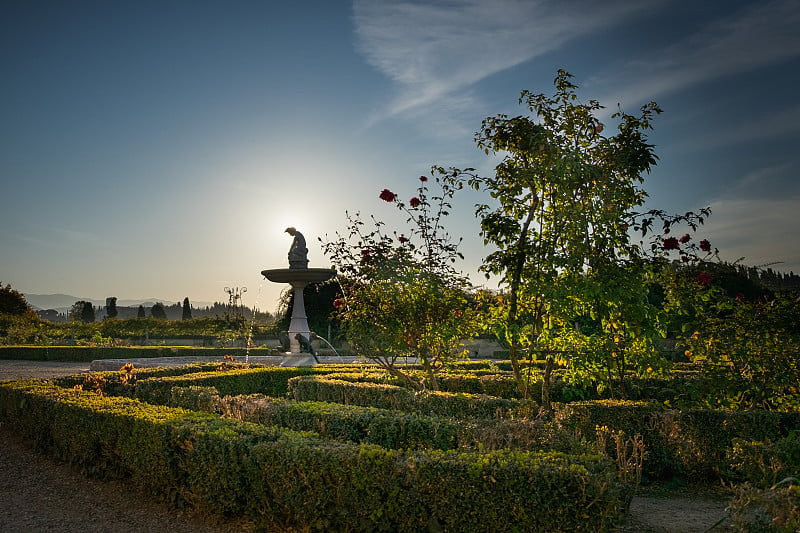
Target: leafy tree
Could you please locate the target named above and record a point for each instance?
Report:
(566, 200)
(187, 310)
(13, 302)
(140, 313)
(18, 321)
(82, 311)
(158, 311)
(401, 295)
(111, 307)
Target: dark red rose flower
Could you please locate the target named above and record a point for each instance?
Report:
(704, 279)
(387, 196)
(423, 179)
(685, 238)
(670, 243)
(739, 297)
(705, 245)
(338, 303)
(402, 238)
(414, 202)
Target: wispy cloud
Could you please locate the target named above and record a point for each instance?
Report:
(431, 49)
(759, 35)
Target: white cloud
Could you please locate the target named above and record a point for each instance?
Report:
(431, 49)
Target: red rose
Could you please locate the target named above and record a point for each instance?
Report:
(387, 196)
(423, 179)
(338, 303)
(670, 244)
(705, 245)
(402, 239)
(414, 202)
(685, 238)
(704, 279)
(739, 297)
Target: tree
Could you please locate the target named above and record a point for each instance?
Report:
(140, 313)
(187, 310)
(111, 307)
(400, 293)
(13, 302)
(82, 311)
(158, 311)
(566, 200)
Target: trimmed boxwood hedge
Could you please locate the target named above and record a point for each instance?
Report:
(90, 353)
(283, 479)
(325, 388)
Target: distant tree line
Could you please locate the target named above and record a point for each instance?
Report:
(87, 312)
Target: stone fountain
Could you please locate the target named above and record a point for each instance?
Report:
(298, 275)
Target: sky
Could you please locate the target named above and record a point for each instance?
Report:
(158, 149)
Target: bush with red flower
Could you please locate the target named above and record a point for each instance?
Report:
(402, 296)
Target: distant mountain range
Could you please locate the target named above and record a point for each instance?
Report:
(63, 302)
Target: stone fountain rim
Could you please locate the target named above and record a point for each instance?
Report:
(288, 275)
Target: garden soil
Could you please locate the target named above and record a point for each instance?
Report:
(38, 493)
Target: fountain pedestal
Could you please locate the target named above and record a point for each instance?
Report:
(298, 278)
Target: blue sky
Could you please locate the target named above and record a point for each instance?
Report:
(159, 149)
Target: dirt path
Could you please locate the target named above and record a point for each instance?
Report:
(40, 494)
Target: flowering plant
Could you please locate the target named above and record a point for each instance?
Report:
(402, 295)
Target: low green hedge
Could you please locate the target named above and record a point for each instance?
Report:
(765, 463)
(324, 388)
(695, 444)
(270, 380)
(90, 353)
(285, 480)
(390, 429)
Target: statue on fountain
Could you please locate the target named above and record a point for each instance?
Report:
(298, 253)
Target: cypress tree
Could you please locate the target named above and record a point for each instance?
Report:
(187, 310)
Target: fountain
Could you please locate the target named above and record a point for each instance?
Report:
(298, 275)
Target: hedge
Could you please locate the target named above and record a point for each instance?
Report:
(282, 479)
(270, 380)
(383, 396)
(90, 353)
(696, 444)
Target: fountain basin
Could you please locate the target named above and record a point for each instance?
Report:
(298, 275)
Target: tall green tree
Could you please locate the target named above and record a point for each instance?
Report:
(82, 311)
(566, 198)
(187, 310)
(111, 307)
(140, 313)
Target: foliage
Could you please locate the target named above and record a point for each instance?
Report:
(285, 480)
(747, 351)
(401, 294)
(186, 312)
(82, 311)
(13, 302)
(158, 312)
(565, 204)
(111, 307)
(776, 509)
